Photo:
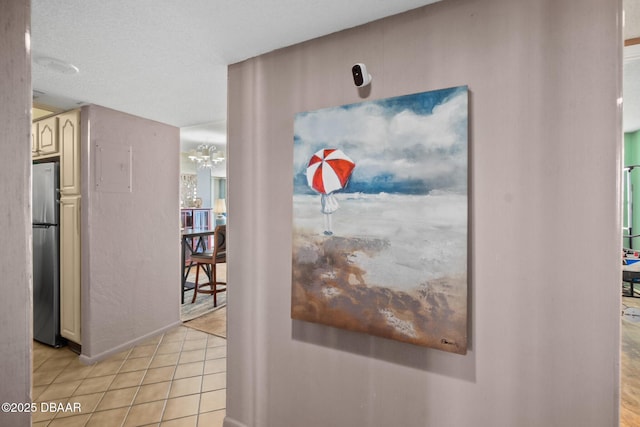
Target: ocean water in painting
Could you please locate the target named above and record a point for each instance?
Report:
(394, 261)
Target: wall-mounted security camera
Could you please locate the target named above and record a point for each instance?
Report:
(360, 75)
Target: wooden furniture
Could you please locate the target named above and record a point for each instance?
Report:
(70, 268)
(59, 136)
(210, 260)
(44, 138)
(194, 240)
(196, 218)
(70, 208)
(69, 140)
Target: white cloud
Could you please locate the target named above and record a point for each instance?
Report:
(405, 145)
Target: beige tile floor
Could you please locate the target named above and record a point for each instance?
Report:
(174, 380)
(630, 366)
(179, 379)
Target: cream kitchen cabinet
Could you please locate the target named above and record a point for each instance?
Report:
(44, 138)
(59, 136)
(70, 268)
(69, 141)
(70, 298)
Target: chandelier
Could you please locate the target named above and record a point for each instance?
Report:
(205, 156)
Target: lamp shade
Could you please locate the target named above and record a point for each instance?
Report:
(220, 206)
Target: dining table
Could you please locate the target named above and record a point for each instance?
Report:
(631, 275)
(194, 240)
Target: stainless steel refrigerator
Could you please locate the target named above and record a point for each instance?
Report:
(46, 254)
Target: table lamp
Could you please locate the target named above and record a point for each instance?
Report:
(219, 208)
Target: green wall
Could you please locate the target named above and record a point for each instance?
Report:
(632, 157)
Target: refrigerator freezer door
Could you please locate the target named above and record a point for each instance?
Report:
(45, 193)
(46, 285)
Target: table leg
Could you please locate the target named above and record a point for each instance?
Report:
(184, 275)
(186, 269)
(187, 245)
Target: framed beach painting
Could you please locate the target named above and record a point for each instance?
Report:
(380, 224)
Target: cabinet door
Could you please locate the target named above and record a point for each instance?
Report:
(187, 218)
(202, 218)
(199, 219)
(69, 140)
(34, 139)
(70, 268)
(48, 136)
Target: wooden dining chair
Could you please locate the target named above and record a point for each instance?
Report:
(209, 260)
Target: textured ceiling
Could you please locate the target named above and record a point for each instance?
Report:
(632, 18)
(167, 60)
(631, 89)
(631, 70)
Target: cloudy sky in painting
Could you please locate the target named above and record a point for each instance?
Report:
(412, 144)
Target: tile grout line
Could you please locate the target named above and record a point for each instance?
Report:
(208, 347)
(174, 378)
(104, 393)
(166, 401)
(133, 399)
(131, 404)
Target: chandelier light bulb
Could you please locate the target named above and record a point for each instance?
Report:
(206, 156)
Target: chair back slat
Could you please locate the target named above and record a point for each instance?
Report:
(220, 240)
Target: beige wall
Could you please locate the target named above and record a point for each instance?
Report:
(130, 240)
(15, 210)
(544, 77)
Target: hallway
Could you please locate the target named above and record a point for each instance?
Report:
(176, 379)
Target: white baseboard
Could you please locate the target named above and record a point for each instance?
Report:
(230, 422)
(87, 360)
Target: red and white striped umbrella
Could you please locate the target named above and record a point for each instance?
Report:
(329, 170)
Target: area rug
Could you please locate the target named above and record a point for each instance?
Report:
(202, 306)
(214, 323)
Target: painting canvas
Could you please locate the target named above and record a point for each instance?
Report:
(380, 218)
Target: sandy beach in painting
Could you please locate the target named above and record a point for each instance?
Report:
(395, 267)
